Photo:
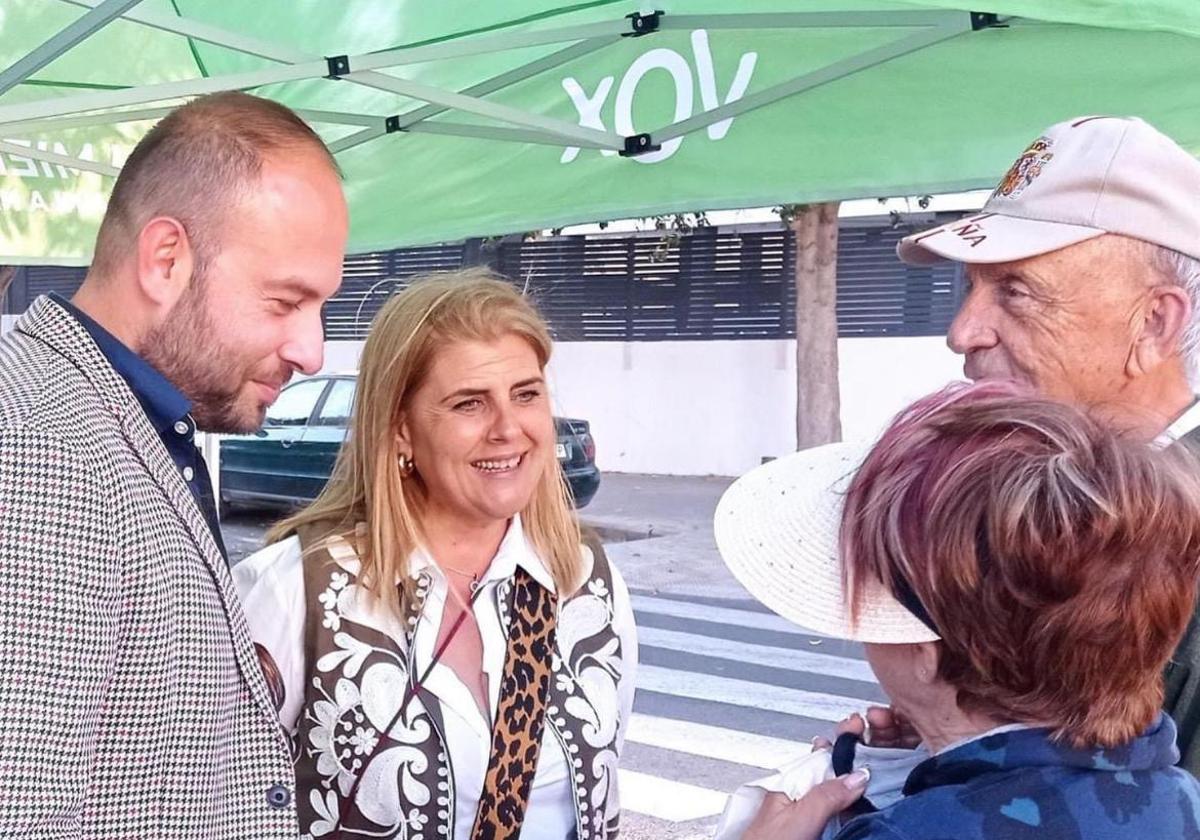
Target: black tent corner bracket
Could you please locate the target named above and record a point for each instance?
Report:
(638, 144)
(986, 20)
(339, 65)
(642, 24)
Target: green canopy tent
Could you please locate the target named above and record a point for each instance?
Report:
(456, 119)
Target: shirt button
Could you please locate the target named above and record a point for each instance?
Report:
(182, 427)
(188, 473)
(278, 796)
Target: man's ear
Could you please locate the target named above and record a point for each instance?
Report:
(165, 261)
(1164, 320)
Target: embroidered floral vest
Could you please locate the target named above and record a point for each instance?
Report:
(359, 660)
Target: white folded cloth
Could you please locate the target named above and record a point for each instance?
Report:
(889, 770)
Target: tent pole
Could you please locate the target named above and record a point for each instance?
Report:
(808, 81)
(209, 34)
(252, 46)
(105, 118)
(811, 20)
(415, 119)
(512, 77)
(75, 32)
(565, 131)
(486, 132)
(489, 132)
(117, 117)
(357, 138)
(60, 160)
(337, 117)
(64, 105)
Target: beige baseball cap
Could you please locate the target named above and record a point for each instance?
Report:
(1079, 180)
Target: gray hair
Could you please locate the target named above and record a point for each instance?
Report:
(1184, 272)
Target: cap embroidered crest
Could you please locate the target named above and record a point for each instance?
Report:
(1025, 168)
(1115, 175)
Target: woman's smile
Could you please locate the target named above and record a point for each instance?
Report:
(500, 466)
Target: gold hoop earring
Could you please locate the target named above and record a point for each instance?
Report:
(406, 464)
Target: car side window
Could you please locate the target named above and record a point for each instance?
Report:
(339, 401)
(296, 403)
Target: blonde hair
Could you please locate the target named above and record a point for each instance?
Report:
(366, 486)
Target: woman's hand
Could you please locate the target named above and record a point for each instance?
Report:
(779, 818)
(883, 727)
(891, 729)
(854, 724)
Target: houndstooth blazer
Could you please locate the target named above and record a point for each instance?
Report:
(131, 700)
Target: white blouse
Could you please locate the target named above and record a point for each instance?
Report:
(271, 585)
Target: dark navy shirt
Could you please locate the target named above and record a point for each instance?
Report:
(1021, 785)
(168, 410)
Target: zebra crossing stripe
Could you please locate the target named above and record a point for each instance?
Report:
(667, 800)
(718, 615)
(772, 657)
(715, 742)
(789, 701)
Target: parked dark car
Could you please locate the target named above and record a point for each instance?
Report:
(288, 461)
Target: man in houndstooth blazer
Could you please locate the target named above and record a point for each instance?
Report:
(132, 704)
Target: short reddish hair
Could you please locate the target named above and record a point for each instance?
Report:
(1057, 559)
(194, 166)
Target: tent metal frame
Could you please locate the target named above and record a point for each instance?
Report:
(515, 125)
(71, 35)
(45, 156)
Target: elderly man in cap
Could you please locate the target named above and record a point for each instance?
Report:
(1083, 280)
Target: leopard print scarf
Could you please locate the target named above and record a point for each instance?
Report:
(521, 716)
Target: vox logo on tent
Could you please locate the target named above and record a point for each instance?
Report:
(590, 107)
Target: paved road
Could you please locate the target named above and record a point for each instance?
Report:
(726, 690)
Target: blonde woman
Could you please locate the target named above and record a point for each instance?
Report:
(435, 608)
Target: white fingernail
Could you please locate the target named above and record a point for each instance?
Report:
(858, 779)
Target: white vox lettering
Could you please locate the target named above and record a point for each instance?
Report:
(708, 81)
(677, 66)
(590, 107)
(589, 110)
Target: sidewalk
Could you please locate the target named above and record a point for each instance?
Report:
(658, 531)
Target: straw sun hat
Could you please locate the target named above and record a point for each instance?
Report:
(777, 531)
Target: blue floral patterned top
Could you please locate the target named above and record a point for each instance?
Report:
(1019, 785)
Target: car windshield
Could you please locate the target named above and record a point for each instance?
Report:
(336, 409)
(295, 405)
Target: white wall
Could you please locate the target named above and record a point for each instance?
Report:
(718, 407)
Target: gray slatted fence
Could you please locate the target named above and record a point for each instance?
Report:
(713, 283)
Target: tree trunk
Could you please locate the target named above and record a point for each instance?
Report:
(818, 406)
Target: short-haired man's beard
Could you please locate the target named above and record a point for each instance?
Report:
(188, 350)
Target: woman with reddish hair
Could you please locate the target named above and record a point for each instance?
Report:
(1020, 575)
